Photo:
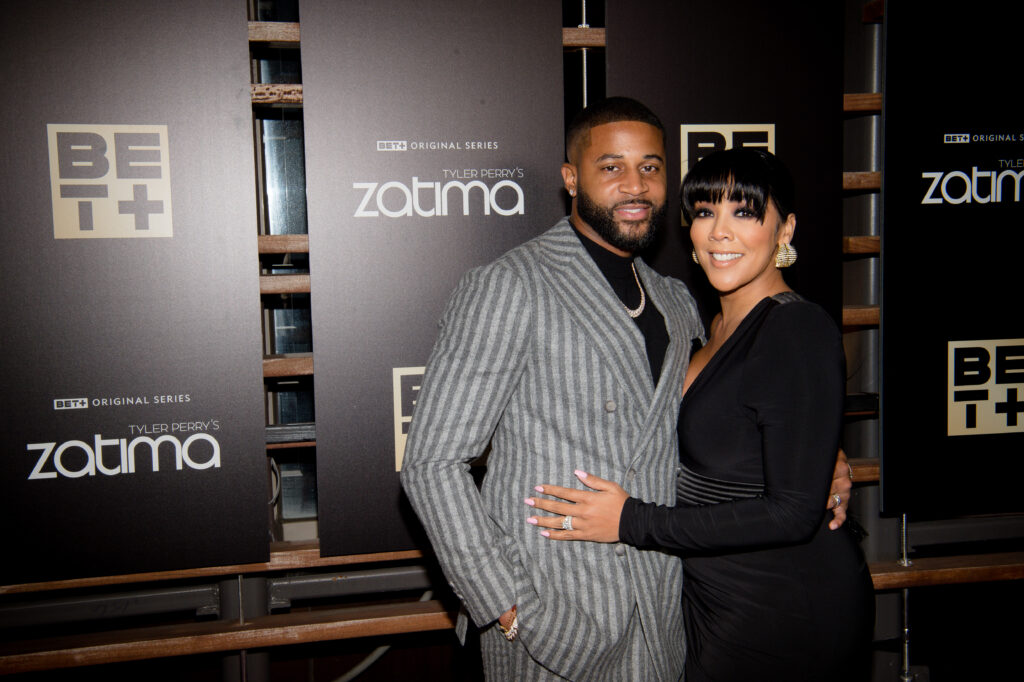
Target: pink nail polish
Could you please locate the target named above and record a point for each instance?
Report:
(545, 533)
(529, 501)
(532, 520)
(539, 488)
(580, 473)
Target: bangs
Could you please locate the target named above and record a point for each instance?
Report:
(724, 187)
(747, 176)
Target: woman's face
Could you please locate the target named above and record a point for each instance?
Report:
(735, 249)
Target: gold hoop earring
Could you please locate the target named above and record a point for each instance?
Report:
(785, 256)
(693, 254)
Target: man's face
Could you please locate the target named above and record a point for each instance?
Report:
(619, 182)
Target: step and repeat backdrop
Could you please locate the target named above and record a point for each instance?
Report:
(953, 232)
(133, 418)
(434, 137)
(433, 145)
(743, 73)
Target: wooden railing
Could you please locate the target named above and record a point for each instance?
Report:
(365, 620)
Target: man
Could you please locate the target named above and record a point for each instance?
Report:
(564, 353)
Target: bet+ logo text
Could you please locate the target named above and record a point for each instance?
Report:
(109, 181)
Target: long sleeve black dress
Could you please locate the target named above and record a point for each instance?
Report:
(769, 592)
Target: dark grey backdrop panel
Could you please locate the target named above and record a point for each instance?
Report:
(744, 62)
(952, 322)
(400, 99)
(159, 336)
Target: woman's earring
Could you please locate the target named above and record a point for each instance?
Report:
(572, 192)
(785, 256)
(693, 254)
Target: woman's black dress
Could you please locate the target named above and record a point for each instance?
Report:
(769, 592)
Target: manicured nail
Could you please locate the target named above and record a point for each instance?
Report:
(580, 473)
(529, 501)
(545, 533)
(532, 519)
(539, 488)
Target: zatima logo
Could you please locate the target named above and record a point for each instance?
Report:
(985, 387)
(109, 181)
(116, 456)
(429, 199)
(980, 187)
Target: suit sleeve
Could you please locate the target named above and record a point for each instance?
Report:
(473, 369)
(794, 383)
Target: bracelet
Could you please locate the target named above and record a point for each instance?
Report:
(512, 630)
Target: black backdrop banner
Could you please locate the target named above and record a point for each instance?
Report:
(953, 231)
(742, 73)
(133, 419)
(433, 144)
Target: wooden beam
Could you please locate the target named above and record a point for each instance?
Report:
(286, 34)
(865, 469)
(862, 180)
(277, 33)
(288, 365)
(576, 38)
(975, 568)
(860, 315)
(283, 243)
(295, 444)
(865, 244)
(284, 284)
(276, 93)
(208, 637)
(862, 102)
(284, 556)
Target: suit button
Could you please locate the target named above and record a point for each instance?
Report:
(620, 550)
(631, 474)
(609, 406)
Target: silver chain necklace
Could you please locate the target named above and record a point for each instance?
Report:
(635, 312)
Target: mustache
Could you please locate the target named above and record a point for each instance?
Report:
(634, 202)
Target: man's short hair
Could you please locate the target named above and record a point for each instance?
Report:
(611, 110)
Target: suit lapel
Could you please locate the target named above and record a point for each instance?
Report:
(590, 301)
(670, 384)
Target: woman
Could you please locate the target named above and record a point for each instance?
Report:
(770, 593)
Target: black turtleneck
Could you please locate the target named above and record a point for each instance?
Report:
(618, 271)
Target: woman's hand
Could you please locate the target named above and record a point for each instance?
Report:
(594, 515)
(842, 487)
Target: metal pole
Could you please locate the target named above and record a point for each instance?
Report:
(905, 674)
(904, 543)
(241, 599)
(584, 24)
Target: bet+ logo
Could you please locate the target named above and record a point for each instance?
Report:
(699, 140)
(109, 181)
(985, 387)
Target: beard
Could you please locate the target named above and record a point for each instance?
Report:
(603, 222)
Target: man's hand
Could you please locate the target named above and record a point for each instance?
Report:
(505, 620)
(839, 496)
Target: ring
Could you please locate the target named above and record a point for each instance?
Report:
(835, 497)
(567, 523)
(851, 470)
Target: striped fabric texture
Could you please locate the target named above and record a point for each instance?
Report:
(537, 359)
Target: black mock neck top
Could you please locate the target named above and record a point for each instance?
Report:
(618, 271)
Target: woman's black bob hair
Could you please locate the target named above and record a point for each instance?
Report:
(749, 176)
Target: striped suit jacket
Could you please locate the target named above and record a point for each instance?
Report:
(537, 357)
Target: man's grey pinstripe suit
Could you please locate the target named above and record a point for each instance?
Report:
(537, 357)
